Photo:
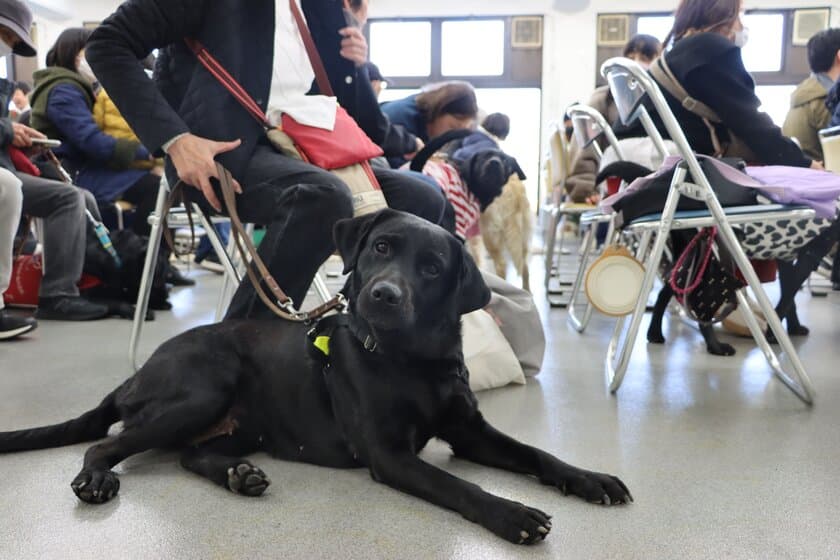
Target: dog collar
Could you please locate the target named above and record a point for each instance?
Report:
(321, 333)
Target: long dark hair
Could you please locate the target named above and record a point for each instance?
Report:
(703, 15)
(66, 48)
(448, 98)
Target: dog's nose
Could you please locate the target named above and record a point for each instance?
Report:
(387, 292)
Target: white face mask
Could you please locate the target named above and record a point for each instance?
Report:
(741, 37)
(84, 69)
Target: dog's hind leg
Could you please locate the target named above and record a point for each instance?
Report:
(171, 424)
(713, 345)
(219, 461)
(654, 334)
(496, 252)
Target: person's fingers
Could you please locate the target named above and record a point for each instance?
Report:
(32, 133)
(209, 194)
(237, 187)
(222, 147)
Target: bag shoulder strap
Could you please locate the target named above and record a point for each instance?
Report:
(663, 74)
(312, 51)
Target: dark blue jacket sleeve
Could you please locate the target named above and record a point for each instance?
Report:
(70, 113)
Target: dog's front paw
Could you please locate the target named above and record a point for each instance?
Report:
(246, 479)
(597, 488)
(95, 487)
(798, 330)
(655, 337)
(720, 349)
(517, 523)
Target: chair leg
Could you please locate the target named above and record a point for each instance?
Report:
(142, 304)
(549, 247)
(797, 380)
(617, 368)
(580, 323)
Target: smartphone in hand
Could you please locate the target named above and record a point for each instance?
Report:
(46, 142)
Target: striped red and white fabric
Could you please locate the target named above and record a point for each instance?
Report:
(466, 205)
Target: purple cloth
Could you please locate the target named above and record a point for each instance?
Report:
(782, 184)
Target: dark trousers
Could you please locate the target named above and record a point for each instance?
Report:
(143, 195)
(62, 206)
(299, 203)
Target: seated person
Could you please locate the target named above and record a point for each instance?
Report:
(197, 122)
(19, 107)
(62, 106)
(62, 206)
(437, 109)
(706, 60)
(808, 113)
(580, 185)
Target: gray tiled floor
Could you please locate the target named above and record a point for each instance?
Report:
(722, 459)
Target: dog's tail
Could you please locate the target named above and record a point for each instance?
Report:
(91, 425)
(626, 170)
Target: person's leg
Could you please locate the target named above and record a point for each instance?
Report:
(11, 201)
(143, 195)
(63, 208)
(418, 194)
(299, 204)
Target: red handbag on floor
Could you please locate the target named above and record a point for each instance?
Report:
(25, 281)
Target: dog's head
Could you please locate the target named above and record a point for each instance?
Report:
(410, 282)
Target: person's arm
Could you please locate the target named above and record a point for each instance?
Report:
(68, 111)
(7, 133)
(727, 88)
(115, 51)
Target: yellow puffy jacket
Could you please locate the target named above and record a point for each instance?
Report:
(111, 121)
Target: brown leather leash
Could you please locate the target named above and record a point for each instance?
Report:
(281, 304)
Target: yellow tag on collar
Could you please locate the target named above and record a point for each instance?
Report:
(322, 343)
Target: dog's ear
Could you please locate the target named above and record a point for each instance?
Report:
(473, 293)
(350, 235)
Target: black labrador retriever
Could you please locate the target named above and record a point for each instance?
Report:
(368, 388)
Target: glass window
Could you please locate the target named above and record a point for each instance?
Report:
(473, 48)
(763, 51)
(402, 48)
(658, 26)
(775, 101)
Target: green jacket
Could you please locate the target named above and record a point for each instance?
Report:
(808, 114)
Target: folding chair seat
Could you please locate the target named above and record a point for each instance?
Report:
(233, 265)
(630, 86)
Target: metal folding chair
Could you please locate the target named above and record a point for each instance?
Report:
(589, 125)
(630, 85)
(234, 266)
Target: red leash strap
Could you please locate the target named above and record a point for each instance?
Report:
(228, 82)
(312, 51)
(705, 232)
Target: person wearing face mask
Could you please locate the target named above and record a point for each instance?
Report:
(62, 108)
(580, 185)
(705, 59)
(61, 206)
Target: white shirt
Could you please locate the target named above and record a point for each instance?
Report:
(292, 77)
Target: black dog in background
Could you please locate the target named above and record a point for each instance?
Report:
(368, 388)
(791, 275)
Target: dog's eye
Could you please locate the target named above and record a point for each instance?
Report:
(430, 269)
(382, 247)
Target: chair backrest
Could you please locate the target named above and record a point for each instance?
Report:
(830, 140)
(558, 157)
(589, 124)
(630, 84)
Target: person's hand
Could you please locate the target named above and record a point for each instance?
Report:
(817, 165)
(354, 45)
(593, 199)
(420, 145)
(24, 135)
(194, 159)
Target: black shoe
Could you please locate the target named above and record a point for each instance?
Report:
(211, 262)
(12, 327)
(174, 277)
(69, 308)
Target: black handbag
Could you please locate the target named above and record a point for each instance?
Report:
(702, 284)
